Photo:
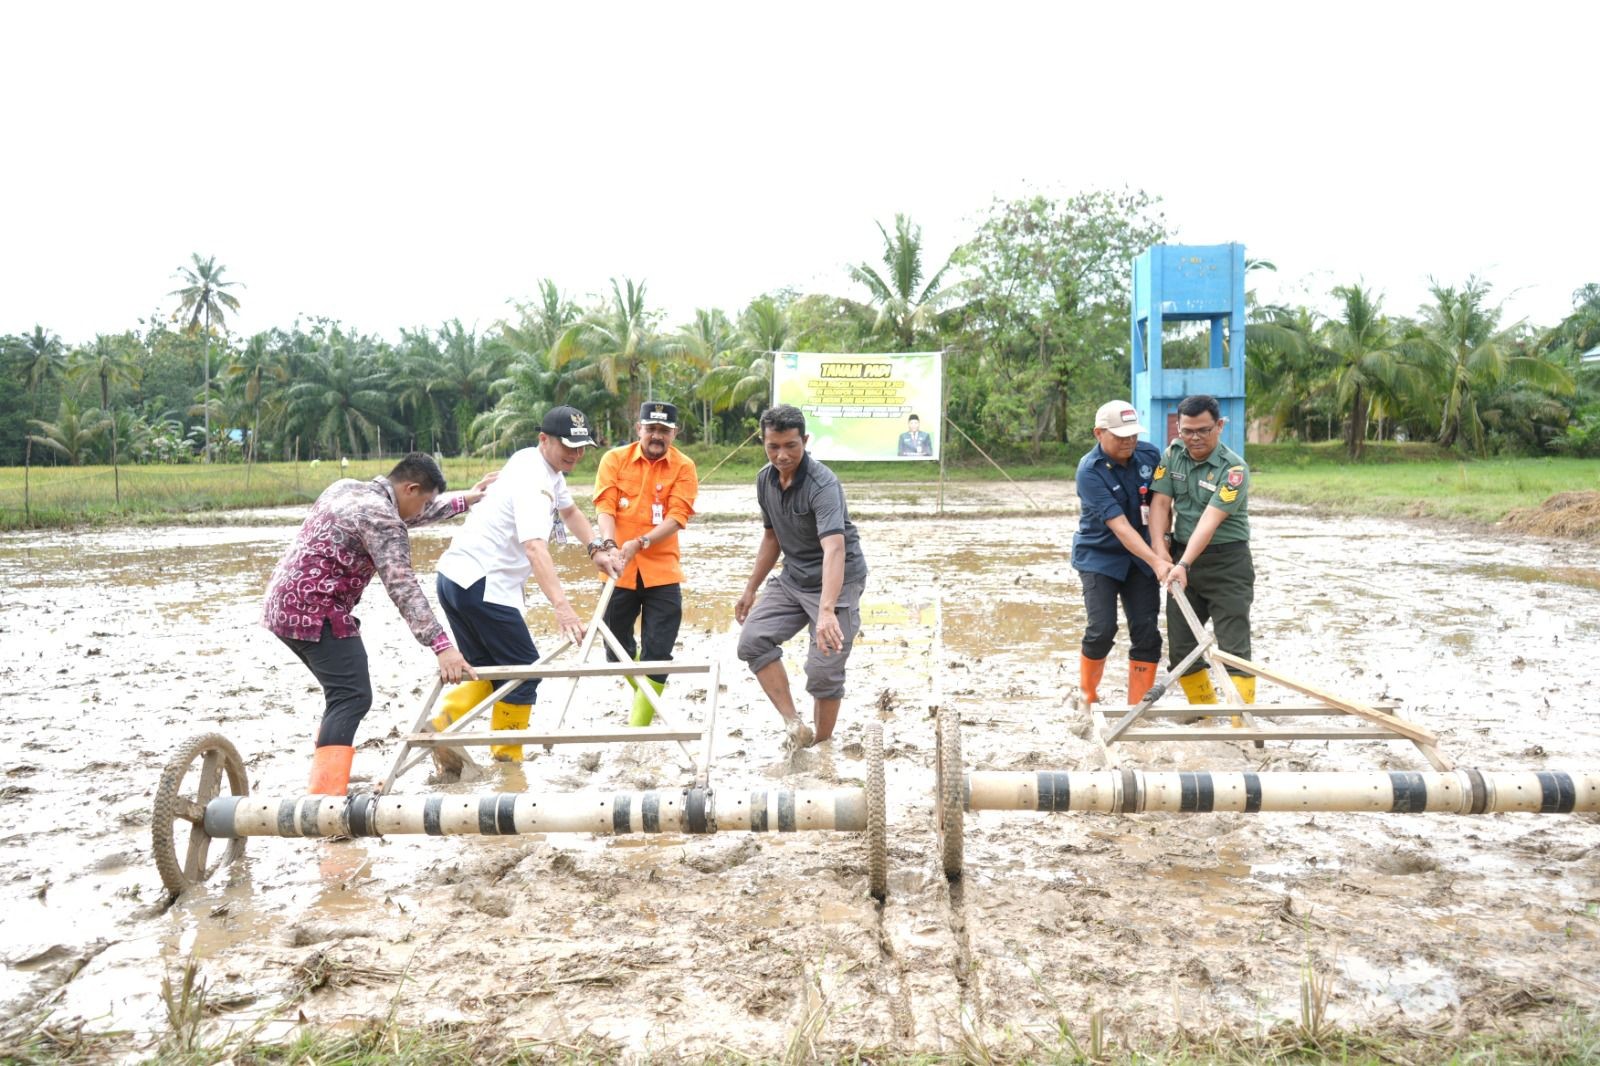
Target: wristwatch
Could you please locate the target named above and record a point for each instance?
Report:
(596, 545)
(644, 541)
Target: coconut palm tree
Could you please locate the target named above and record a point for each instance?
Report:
(409, 366)
(742, 377)
(1468, 356)
(339, 398)
(74, 432)
(1366, 358)
(540, 323)
(462, 377)
(614, 346)
(256, 376)
(1284, 363)
(205, 296)
(906, 305)
(41, 358)
(106, 361)
(709, 343)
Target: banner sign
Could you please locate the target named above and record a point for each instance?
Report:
(865, 406)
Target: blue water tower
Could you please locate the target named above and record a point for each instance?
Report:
(1189, 283)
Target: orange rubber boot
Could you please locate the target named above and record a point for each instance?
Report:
(330, 769)
(1140, 677)
(1089, 674)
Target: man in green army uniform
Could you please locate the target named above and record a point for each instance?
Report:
(1200, 496)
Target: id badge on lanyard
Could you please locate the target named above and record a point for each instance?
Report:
(658, 510)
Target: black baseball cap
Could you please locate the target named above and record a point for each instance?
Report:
(569, 425)
(652, 412)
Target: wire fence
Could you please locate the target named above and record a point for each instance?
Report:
(65, 495)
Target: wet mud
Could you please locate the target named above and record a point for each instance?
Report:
(120, 644)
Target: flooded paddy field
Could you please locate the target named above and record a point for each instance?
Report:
(122, 643)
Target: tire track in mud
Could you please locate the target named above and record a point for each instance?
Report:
(966, 974)
(905, 1026)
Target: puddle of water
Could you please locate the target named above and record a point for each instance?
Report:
(1556, 575)
(1414, 986)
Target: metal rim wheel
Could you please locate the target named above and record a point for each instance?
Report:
(216, 757)
(948, 781)
(877, 823)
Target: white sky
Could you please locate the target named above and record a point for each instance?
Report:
(397, 165)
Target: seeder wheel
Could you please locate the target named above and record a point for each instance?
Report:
(877, 824)
(948, 786)
(215, 755)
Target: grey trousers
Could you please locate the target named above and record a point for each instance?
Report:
(781, 612)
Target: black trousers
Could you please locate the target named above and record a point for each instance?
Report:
(340, 666)
(1141, 605)
(662, 607)
(489, 634)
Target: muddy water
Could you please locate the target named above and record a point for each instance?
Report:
(119, 644)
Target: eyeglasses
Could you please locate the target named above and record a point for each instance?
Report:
(1201, 431)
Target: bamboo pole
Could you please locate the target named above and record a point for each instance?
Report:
(1361, 710)
(944, 418)
(996, 465)
(731, 454)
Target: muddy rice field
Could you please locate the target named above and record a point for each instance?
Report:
(121, 643)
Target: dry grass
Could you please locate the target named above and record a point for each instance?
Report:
(1573, 515)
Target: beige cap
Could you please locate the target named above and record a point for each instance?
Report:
(1119, 417)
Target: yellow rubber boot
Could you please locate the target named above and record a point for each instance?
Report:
(1140, 677)
(509, 716)
(1246, 687)
(1089, 673)
(1198, 687)
(330, 769)
(458, 701)
(643, 712)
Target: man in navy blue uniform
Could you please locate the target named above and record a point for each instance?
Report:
(1112, 554)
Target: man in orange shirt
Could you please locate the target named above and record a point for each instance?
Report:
(643, 494)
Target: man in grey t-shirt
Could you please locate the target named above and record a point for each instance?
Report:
(803, 510)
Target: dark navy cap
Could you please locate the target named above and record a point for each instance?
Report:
(652, 412)
(569, 424)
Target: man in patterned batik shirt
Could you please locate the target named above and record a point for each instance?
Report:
(357, 529)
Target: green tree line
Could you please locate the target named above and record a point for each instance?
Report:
(1033, 308)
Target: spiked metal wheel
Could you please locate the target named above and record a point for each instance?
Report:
(877, 825)
(948, 798)
(183, 860)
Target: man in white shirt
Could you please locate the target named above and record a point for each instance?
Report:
(505, 538)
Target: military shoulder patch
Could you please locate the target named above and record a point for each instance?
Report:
(1236, 476)
(1161, 472)
(1227, 495)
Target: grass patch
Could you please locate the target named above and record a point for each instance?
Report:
(1574, 1039)
(76, 495)
(1483, 491)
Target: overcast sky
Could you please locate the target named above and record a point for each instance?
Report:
(398, 165)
